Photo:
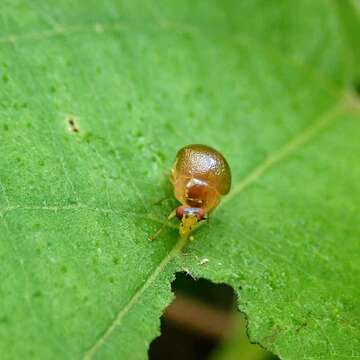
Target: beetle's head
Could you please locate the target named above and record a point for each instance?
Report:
(189, 217)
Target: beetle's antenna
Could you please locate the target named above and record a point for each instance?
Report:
(153, 237)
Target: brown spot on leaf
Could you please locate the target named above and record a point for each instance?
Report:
(73, 126)
(269, 340)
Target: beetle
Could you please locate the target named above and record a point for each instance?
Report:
(200, 177)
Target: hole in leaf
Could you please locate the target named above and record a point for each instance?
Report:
(203, 323)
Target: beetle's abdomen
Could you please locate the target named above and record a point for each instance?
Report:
(203, 163)
(200, 176)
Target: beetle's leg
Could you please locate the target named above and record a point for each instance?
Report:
(165, 183)
(171, 215)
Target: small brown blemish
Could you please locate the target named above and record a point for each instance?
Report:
(270, 339)
(73, 127)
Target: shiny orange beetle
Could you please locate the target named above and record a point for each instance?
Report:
(200, 176)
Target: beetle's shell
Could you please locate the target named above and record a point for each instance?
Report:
(200, 176)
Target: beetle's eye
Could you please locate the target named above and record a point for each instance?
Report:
(180, 212)
(200, 214)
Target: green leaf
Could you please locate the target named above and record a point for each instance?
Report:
(95, 100)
